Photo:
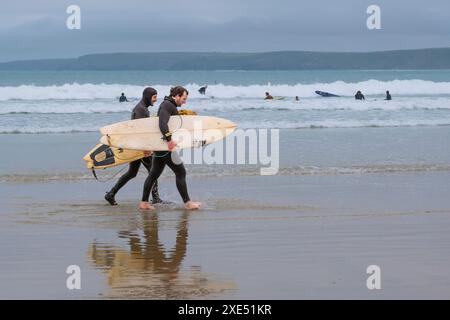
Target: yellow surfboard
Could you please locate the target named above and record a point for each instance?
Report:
(103, 156)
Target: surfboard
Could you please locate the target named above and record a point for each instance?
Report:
(103, 156)
(187, 132)
(325, 94)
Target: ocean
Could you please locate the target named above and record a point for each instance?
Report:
(63, 111)
(83, 101)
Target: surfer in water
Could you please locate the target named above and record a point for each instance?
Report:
(388, 96)
(268, 96)
(123, 98)
(359, 96)
(177, 97)
(202, 90)
(149, 97)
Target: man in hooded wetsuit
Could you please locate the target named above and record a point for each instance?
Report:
(149, 97)
(177, 97)
(359, 96)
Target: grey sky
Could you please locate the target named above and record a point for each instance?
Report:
(37, 29)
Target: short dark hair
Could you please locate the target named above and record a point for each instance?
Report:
(178, 91)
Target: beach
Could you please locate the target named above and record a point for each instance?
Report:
(343, 199)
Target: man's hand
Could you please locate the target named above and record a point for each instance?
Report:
(147, 153)
(171, 145)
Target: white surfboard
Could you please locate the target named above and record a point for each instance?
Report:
(187, 132)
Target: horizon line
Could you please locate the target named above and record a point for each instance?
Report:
(226, 52)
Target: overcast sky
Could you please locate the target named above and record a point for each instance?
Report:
(37, 29)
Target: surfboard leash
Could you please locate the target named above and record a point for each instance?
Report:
(108, 179)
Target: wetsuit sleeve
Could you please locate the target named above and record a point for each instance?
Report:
(164, 117)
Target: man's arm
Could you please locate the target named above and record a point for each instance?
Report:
(164, 117)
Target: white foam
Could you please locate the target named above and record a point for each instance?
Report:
(47, 108)
(88, 91)
(233, 105)
(331, 123)
(319, 124)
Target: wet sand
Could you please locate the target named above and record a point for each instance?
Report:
(278, 237)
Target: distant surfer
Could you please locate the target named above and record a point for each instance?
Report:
(123, 98)
(149, 97)
(177, 97)
(202, 90)
(388, 96)
(359, 96)
(268, 96)
(297, 98)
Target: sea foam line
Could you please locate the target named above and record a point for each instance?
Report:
(89, 91)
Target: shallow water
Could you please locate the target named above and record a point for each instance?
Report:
(300, 152)
(284, 238)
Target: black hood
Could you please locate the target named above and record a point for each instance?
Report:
(171, 100)
(147, 95)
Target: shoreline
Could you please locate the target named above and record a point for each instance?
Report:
(312, 127)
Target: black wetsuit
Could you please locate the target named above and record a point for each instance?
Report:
(162, 158)
(388, 96)
(139, 112)
(202, 90)
(359, 96)
(123, 99)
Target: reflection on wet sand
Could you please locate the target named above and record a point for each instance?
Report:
(146, 270)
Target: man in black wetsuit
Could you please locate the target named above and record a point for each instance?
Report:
(202, 90)
(149, 97)
(123, 98)
(177, 97)
(388, 96)
(359, 96)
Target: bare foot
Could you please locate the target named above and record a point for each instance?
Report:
(146, 206)
(191, 205)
